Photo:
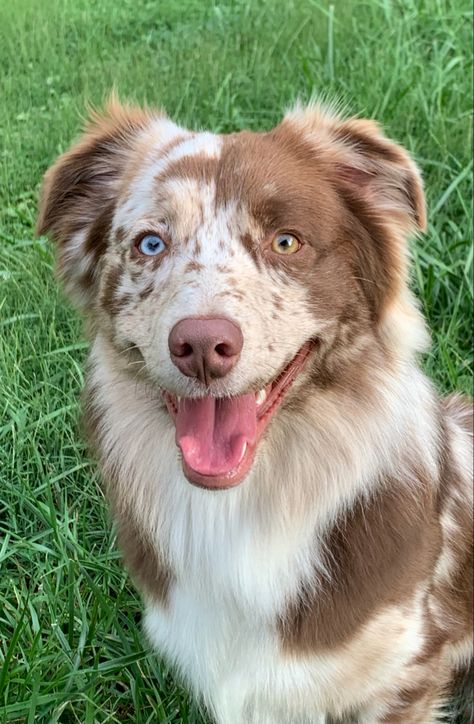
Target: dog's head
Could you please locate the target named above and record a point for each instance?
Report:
(233, 271)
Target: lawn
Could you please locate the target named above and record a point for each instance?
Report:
(70, 644)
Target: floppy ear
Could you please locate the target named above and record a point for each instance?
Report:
(79, 192)
(381, 188)
(369, 164)
(382, 173)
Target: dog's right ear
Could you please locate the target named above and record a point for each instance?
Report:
(79, 193)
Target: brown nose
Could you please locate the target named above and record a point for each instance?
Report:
(205, 348)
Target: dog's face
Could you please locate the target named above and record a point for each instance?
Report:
(231, 271)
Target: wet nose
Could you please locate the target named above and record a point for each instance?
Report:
(206, 348)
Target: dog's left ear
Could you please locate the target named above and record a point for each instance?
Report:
(382, 173)
(367, 165)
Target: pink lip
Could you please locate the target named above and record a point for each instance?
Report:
(276, 392)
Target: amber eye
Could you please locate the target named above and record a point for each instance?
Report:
(285, 244)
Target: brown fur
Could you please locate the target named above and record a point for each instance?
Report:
(391, 541)
(457, 595)
(147, 568)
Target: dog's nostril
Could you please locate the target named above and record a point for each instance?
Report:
(186, 350)
(224, 350)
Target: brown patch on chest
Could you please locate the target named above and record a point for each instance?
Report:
(376, 555)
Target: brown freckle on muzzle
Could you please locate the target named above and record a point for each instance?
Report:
(277, 301)
(193, 265)
(145, 293)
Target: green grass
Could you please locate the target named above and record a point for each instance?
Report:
(70, 646)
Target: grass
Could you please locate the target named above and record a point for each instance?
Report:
(70, 647)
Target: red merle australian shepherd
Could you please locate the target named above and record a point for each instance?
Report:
(291, 496)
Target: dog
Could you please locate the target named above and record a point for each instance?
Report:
(291, 496)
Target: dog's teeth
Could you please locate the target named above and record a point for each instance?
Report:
(178, 398)
(242, 454)
(260, 397)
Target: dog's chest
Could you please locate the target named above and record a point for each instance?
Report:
(234, 575)
(220, 624)
(226, 554)
(224, 640)
(232, 656)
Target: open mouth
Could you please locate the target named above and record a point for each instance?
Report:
(218, 437)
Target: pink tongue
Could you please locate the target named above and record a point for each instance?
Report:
(212, 433)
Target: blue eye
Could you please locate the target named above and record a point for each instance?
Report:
(151, 245)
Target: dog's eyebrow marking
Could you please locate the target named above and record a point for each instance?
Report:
(163, 152)
(155, 146)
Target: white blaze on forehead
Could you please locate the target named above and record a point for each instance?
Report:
(160, 133)
(207, 144)
(208, 229)
(188, 202)
(141, 193)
